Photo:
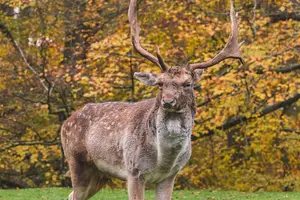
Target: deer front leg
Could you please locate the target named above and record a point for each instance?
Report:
(165, 188)
(136, 187)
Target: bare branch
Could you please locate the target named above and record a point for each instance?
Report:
(231, 122)
(30, 143)
(287, 69)
(284, 16)
(7, 33)
(294, 48)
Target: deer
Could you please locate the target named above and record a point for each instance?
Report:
(146, 142)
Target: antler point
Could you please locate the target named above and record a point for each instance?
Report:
(241, 43)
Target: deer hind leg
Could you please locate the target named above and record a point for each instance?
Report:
(164, 189)
(86, 180)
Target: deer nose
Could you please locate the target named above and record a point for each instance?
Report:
(168, 102)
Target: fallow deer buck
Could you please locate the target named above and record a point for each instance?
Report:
(144, 142)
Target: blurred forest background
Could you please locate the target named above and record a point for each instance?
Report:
(57, 55)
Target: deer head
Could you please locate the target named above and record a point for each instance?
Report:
(176, 83)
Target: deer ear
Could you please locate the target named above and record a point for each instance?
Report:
(146, 77)
(197, 73)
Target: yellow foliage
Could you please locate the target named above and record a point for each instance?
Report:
(88, 57)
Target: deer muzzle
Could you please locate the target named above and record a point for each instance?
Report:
(168, 101)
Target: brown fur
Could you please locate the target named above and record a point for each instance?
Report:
(138, 142)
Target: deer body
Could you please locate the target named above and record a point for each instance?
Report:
(145, 142)
(122, 131)
(119, 139)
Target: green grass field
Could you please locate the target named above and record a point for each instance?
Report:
(62, 193)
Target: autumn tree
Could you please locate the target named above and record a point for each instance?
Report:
(57, 56)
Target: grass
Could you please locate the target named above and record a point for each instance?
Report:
(62, 194)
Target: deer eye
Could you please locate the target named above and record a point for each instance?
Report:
(160, 84)
(187, 85)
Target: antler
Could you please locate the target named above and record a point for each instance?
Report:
(135, 31)
(231, 49)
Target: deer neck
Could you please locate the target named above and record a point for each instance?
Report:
(173, 135)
